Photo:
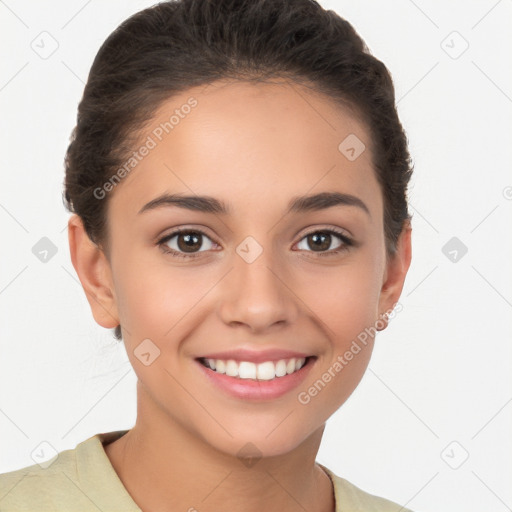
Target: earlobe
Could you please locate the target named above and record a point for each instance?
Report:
(396, 271)
(93, 270)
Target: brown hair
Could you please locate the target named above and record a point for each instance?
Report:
(175, 45)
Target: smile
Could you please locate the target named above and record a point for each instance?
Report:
(262, 381)
(266, 370)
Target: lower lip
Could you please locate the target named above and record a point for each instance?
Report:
(252, 389)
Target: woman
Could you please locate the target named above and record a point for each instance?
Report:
(238, 181)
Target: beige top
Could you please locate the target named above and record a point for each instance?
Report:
(83, 479)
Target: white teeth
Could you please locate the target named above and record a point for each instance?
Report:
(281, 368)
(231, 368)
(245, 370)
(262, 371)
(266, 371)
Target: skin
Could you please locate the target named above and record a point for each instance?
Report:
(253, 146)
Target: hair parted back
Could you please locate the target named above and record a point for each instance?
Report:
(178, 44)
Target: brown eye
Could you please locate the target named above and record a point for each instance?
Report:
(321, 241)
(181, 242)
(189, 242)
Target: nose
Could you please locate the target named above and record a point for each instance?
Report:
(258, 294)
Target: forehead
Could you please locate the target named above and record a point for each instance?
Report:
(247, 142)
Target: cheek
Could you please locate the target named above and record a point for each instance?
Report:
(345, 298)
(153, 298)
(344, 302)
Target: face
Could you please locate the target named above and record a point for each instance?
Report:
(260, 275)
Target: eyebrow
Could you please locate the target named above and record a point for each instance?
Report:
(298, 204)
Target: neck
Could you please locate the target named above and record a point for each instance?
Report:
(164, 466)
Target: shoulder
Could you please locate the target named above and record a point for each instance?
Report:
(75, 480)
(350, 498)
(39, 484)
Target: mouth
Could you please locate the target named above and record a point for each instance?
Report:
(264, 371)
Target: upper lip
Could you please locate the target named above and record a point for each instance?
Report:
(256, 356)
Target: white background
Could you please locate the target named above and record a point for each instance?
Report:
(438, 387)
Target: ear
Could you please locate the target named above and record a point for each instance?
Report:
(394, 276)
(94, 272)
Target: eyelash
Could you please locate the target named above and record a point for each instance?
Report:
(347, 242)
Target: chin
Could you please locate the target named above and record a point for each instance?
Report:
(263, 444)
